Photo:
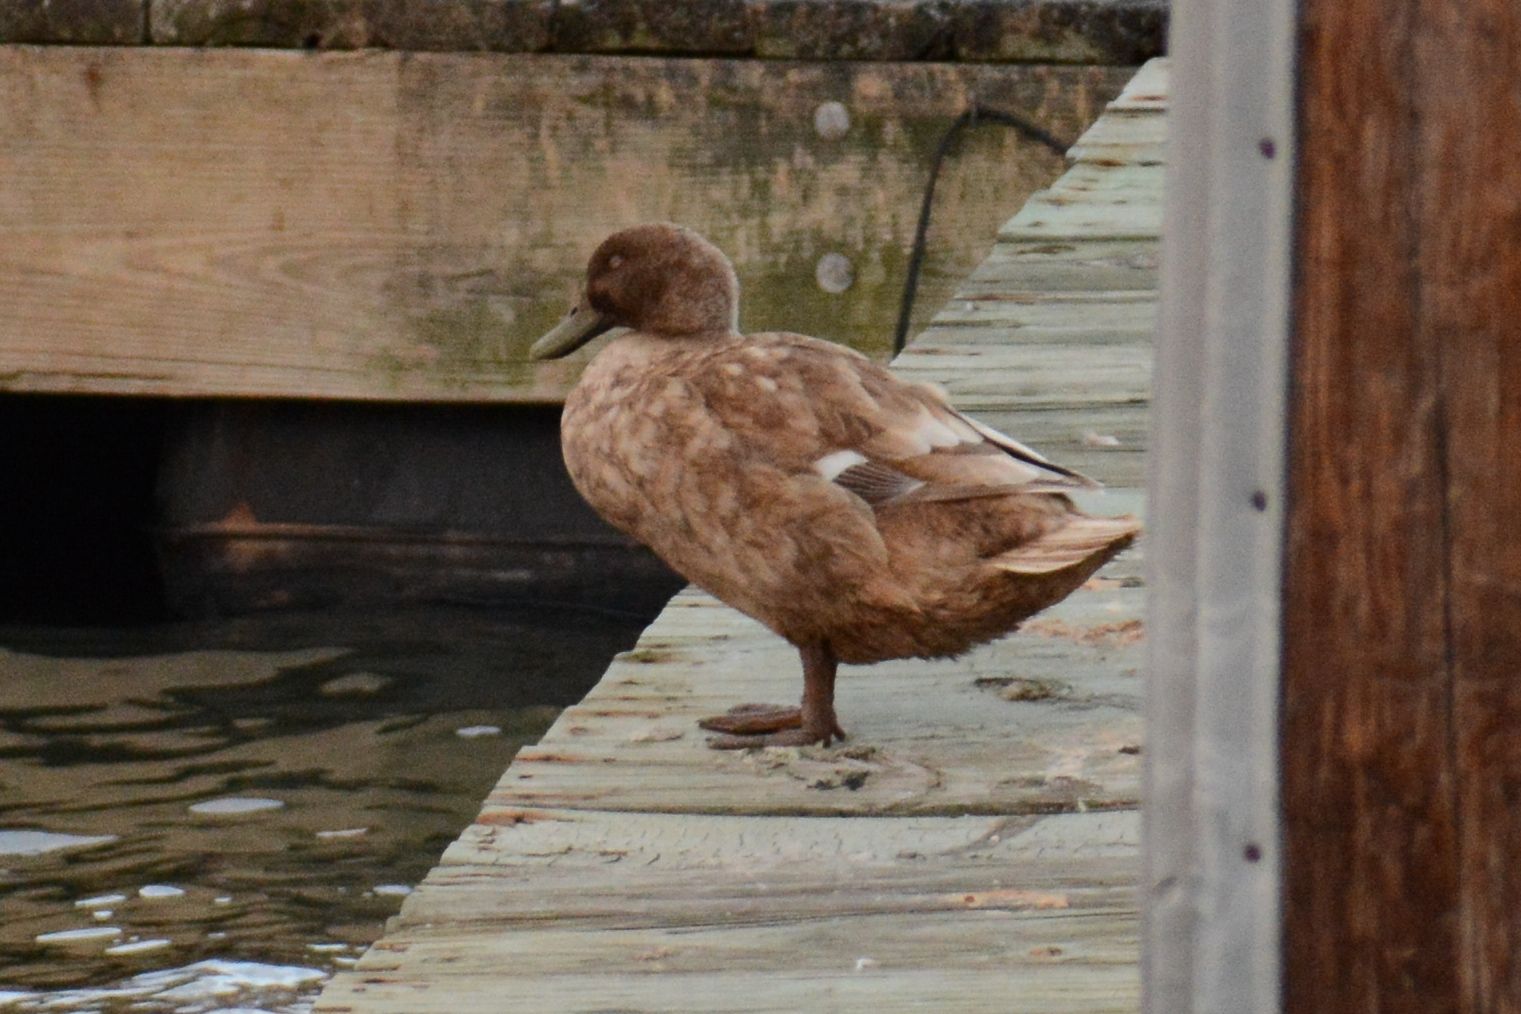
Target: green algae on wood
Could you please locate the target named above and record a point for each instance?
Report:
(390, 226)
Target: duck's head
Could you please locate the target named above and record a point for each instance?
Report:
(664, 280)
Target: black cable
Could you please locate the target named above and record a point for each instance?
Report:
(973, 115)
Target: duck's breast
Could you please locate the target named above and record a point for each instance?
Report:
(609, 441)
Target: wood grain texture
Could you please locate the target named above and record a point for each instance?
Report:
(1402, 611)
(936, 738)
(1469, 65)
(1127, 136)
(972, 847)
(400, 226)
(682, 913)
(1368, 779)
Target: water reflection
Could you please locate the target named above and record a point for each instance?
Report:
(261, 790)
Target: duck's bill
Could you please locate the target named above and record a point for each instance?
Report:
(580, 326)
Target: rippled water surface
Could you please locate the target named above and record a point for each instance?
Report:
(215, 817)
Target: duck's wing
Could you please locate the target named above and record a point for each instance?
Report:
(858, 426)
(930, 451)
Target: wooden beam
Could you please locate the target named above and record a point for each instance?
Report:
(1211, 875)
(377, 225)
(1371, 839)
(1469, 62)
(1402, 601)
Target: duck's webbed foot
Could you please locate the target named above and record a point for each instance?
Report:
(752, 725)
(754, 719)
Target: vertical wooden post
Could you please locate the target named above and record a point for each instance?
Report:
(1211, 881)
(1401, 739)
(1470, 257)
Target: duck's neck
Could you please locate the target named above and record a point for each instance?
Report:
(699, 301)
(698, 312)
(645, 345)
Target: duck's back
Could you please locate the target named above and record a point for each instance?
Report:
(812, 490)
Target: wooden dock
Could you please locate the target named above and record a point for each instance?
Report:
(973, 846)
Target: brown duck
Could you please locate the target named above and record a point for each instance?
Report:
(860, 517)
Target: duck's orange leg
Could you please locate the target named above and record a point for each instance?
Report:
(750, 725)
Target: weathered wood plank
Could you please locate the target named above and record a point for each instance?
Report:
(999, 296)
(1060, 215)
(640, 984)
(1129, 313)
(1120, 331)
(572, 842)
(390, 226)
(1402, 608)
(1147, 91)
(1096, 182)
(940, 737)
(1123, 137)
(1371, 837)
(624, 900)
(1470, 312)
(1052, 268)
(1211, 878)
(1035, 375)
(822, 943)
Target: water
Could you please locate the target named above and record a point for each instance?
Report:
(217, 816)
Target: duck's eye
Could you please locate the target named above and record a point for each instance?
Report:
(616, 260)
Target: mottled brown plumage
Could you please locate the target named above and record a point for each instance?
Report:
(860, 517)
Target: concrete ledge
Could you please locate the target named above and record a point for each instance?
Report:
(1012, 31)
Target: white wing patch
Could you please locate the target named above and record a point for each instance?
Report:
(832, 464)
(872, 481)
(878, 484)
(937, 435)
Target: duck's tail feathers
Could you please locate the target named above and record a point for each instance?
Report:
(1077, 542)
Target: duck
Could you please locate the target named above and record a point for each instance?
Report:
(858, 516)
